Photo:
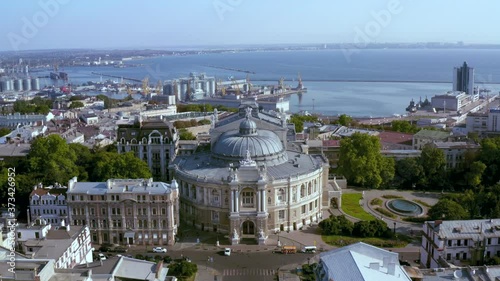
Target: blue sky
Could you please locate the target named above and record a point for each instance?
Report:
(44, 24)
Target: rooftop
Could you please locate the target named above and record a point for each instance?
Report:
(458, 144)
(14, 150)
(469, 229)
(431, 134)
(361, 261)
(395, 137)
(118, 186)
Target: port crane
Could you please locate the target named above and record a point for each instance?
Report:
(282, 83)
(236, 86)
(159, 88)
(145, 86)
(221, 88)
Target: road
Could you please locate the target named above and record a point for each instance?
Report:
(245, 266)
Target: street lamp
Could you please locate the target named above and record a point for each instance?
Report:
(279, 242)
(217, 243)
(394, 227)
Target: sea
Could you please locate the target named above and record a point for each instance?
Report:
(357, 82)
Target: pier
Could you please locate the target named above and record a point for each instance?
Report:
(268, 97)
(116, 76)
(232, 69)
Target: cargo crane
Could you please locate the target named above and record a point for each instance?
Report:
(159, 88)
(249, 85)
(282, 84)
(221, 88)
(236, 86)
(145, 86)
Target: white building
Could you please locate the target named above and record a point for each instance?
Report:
(454, 151)
(89, 118)
(249, 184)
(170, 110)
(68, 246)
(494, 120)
(472, 241)
(423, 137)
(24, 134)
(126, 211)
(450, 101)
(49, 203)
(13, 120)
(360, 262)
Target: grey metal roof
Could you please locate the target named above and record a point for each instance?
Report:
(120, 186)
(202, 166)
(234, 144)
(467, 229)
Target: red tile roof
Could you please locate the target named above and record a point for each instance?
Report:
(394, 137)
(330, 143)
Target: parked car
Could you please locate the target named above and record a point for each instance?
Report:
(159, 250)
(227, 251)
(101, 256)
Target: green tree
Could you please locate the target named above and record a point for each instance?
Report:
(182, 269)
(490, 156)
(4, 131)
(409, 172)
(447, 209)
(345, 120)
(84, 160)
(184, 134)
(404, 126)
(110, 165)
(474, 175)
(362, 164)
(433, 161)
(51, 160)
(76, 104)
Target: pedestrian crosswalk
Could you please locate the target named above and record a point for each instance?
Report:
(248, 272)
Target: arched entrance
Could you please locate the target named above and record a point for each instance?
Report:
(248, 227)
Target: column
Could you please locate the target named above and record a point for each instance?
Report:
(237, 195)
(232, 202)
(259, 201)
(263, 200)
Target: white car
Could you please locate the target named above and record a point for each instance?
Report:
(227, 251)
(159, 250)
(101, 256)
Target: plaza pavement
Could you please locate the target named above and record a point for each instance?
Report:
(310, 236)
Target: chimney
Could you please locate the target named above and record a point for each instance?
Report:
(386, 261)
(391, 268)
(374, 265)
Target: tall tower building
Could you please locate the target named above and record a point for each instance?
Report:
(463, 79)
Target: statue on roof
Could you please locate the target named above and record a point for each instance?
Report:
(248, 112)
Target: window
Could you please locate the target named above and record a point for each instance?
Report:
(459, 242)
(281, 214)
(311, 206)
(103, 211)
(215, 216)
(448, 256)
(466, 242)
(303, 209)
(37, 235)
(449, 243)
(302, 191)
(457, 256)
(92, 211)
(281, 195)
(129, 211)
(154, 211)
(163, 211)
(215, 196)
(247, 198)
(489, 241)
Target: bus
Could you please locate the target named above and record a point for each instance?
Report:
(289, 250)
(309, 249)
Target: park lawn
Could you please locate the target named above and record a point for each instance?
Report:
(350, 205)
(341, 241)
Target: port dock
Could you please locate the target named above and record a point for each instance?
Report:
(116, 76)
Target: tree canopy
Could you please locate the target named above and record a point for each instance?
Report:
(126, 166)
(447, 210)
(362, 164)
(76, 104)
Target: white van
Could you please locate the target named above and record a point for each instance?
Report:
(227, 251)
(309, 249)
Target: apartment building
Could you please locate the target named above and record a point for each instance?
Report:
(455, 242)
(126, 211)
(49, 203)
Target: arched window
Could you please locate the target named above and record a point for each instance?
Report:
(215, 196)
(281, 195)
(302, 191)
(309, 189)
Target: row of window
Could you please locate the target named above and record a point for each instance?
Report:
(48, 202)
(458, 242)
(140, 198)
(49, 212)
(95, 224)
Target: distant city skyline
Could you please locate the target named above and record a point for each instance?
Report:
(123, 24)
